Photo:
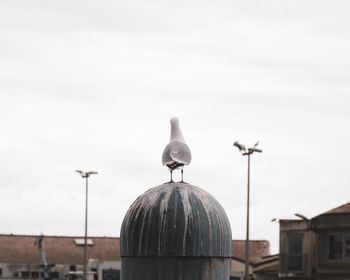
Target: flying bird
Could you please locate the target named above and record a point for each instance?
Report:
(176, 154)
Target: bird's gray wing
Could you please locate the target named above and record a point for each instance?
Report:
(178, 157)
(166, 159)
(178, 152)
(181, 153)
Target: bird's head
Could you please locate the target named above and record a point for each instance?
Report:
(176, 134)
(174, 121)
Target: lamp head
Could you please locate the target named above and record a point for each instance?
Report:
(301, 216)
(241, 147)
(86, 174)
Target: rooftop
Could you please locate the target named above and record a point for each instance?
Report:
(342, 209)
(258, 250)
(58, 249)
(65, 250)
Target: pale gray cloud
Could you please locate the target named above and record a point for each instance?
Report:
(92, 86)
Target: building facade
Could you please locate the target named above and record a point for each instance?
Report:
(19, 257)
(258, 251)
(316, 249)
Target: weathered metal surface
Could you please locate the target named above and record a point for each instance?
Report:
(176, 219)
(175, 268)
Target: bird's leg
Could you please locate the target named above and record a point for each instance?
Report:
(182, 176)
(171, 176)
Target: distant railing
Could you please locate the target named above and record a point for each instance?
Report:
(31, 275)
(292, 264)
(18, 278)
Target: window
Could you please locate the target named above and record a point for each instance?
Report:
(54, 274)
(339, 246)
(110, 274)
(81, 242)
(295, 252)
(25, 274)
(35, 274)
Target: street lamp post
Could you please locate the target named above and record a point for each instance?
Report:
(86, 175)
(247, 152)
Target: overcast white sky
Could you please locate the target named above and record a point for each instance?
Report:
(92, 85)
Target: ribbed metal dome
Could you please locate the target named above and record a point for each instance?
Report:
(176, 219)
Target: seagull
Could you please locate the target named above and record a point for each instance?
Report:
(176, 154)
